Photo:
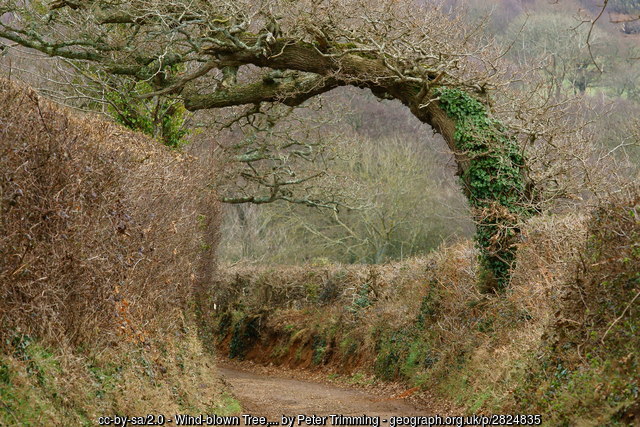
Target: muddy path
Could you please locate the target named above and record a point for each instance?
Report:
(273, 395)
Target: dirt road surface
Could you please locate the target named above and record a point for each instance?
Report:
(273, 396)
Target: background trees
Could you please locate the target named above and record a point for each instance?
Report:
(561, 42)
(407, 203)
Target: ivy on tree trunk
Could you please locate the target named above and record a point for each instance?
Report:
(493, 181)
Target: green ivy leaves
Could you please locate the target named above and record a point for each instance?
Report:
(494, 181)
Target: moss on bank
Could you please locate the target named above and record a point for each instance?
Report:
(43, 385)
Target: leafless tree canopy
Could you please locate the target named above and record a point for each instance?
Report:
(220, 53)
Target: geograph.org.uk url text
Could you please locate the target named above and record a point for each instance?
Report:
(322, 420)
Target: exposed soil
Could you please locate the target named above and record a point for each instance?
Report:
(273, 393)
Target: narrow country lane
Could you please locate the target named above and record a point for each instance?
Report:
(274, 396)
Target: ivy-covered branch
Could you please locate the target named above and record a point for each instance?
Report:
(494, 181)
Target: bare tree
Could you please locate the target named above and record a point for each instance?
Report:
(216, 54)
(272, 152)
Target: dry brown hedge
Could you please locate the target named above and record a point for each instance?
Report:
(104, 233)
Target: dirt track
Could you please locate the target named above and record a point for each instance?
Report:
(272, 396)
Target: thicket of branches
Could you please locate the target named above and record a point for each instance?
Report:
(96, 246)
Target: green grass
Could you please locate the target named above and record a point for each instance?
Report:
(38, 386)
(227, 405)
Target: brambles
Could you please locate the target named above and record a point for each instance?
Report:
(361, 299)
(402, 354)
(97, 290)
(588, 362)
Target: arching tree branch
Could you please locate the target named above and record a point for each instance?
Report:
(196, 50)
(290, 89)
